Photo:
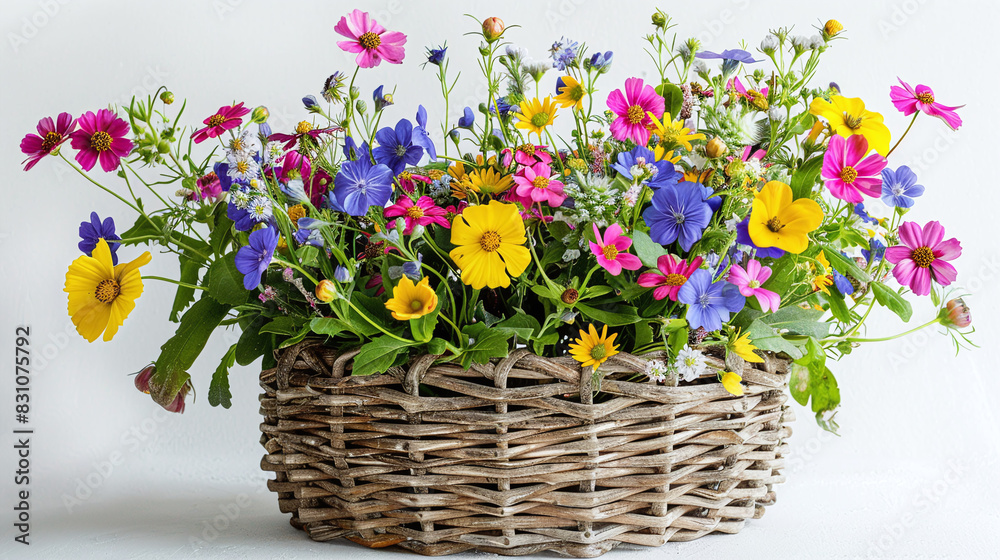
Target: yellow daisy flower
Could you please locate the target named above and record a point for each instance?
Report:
(731, 381)
(489, 242)
(571, 93)
(101, 295)
(778, 221)
(847, 116)
(593, 349)
(672, 134)
(694, 175)
(822, 280)
(535, 115)
(412, 301)
(490, 181)
(744, 348)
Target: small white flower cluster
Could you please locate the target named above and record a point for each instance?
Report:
(690, 363)
(595, 199)
(656, 370)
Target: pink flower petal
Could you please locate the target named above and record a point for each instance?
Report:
(897, 253)
(650, 279)
(629, 261)
(921, 282)
(617, 103)
(944, 272)
(857, 147)
(738, 276)
(911, 235)
(904, 271)
(933, 234)
(948, 249)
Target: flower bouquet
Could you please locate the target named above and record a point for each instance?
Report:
(567, 321)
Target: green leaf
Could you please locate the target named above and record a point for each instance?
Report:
(844, 264)
(521, 324)
(804, 178)
(798, 384)
(797, 320)
(766, 338)
(218, 390)
(553, 253)
(437, 346)
(297, 338)
(423, 327)
(225, 282)
(179, 353)
(646, 249)
(888, 297)
(595, 291)
(673, 98)
(190, 269)
(284, 325)
(144, 226)
(252, 344)
(378, 355)
(490, 343)
(811, 379)
(838, 306)
(222, 233)
(328, 326)
(626, 315)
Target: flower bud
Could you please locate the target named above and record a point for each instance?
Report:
(340, 274)
(142, 378)
(167, 97)
(326, 291)
(163, 147)
(832, 28)
(569, 296)
(716, 148)
(659, 20)
(177, 405)
(355, 92)
(769, 44)
(492, 28)
(956, 315)
(360, 106)
(259, 115)
(311, 104)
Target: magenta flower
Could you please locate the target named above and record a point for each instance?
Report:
(633, 110)
(674, 272)
(848, 173)
(50, 136)
(610, 250)
(408, 181)
(909, 100)
(741, 90)
(923, 257)
(424, 212)
(526, 154)
(226, 118)
(208, 187)
(750, 279)
(101, 137)
(370, 40)
(536, 184)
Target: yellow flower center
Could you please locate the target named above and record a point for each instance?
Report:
(598, 352)
(635, 114)
(100, 141)
(370, 40)
(610, 252)
(490, 241)
(923, 257)
(303, 127)
(527, 148)
(415, 212)
(848, 174)
(405, 176)
(236, 144)
(216, 120)
(774, 224)
(754, 284)
(675, 280)
(852, 122)
(926, 97)
(434, 174)
(416, 304)
(575, 93)
(296, 212)
(757, 99)
(541, 182)
(242, 166)
(107, 291)
(540, 119)
(51, 140)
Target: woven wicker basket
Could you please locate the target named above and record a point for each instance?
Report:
(516, 458)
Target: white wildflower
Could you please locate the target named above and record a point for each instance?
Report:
(690, 363)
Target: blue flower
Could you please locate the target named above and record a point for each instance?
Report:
(843, 285)
(381, 101)
(731, 58)
(501, 108)
(564, 53)
(678, 213)
(665, 172)
(874, 252)
(395, 147)
(310, 103)
(341, 274)
(436, 56)
(94, 230)
(253, 259)
(420, 135)
(308, 232)
(360, 184)
(900, 187)
(410, 269)
(859, 211)
(743, 238)
(601, 61)
(295, 191)
(222, 170)
(709, 303)
(352, 151)
(467, 118)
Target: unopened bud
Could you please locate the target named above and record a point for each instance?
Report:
(167, 97)
(326, 291)
(177, 405)
(142, 378)
(492, 28)
(956, 315)
(569, 296)
(716, 148)
(832, 27)
(259, 115)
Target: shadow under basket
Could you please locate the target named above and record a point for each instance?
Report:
(520, 456)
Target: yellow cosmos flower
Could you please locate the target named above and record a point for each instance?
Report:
(535, 115)
(744, 348)
(489, 181)
(101, 295)
(672, 134)
(489, 242)
(847, 116)
(571, 93)
(731, 381)
(777, 221)
(411, 301)
(593, 349)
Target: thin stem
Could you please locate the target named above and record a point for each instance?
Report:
(102, 187)
(913, 120)
(171, 281)
(886, 338)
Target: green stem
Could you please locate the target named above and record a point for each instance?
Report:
(902, 334)
(913, 120)
(170, 281)
(100, 186)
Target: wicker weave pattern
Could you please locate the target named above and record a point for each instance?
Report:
(515, 458)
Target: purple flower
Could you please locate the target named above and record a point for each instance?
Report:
(709, 303)
(436, 56)
(678, 213)
(601, 61)
(843, 285)
(396, 148)
(420, 135)
(253, 259)
(381, 100)
(900, 187)
(737, 55)
(564, 53)
(665, 174)
(467, 118)
(875, 250)
(743, 238)
(94, 230)
(361, 184)
(861, 212)
(308, 232)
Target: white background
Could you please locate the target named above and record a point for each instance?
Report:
(913, 475)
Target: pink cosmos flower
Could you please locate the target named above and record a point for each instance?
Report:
(923, 257)
(747, 155)
(633, 110)
(207, 187)
(674, 272)
(610, 250)
(909, 100)
(370, 40)
(536, 184)
(294, 166)
(750, 279)
(424, 212)
(408, 181)
(741, 90)
(102, 136)
(532, 213)
(526, 154)
(848, 173)
(226, 118)
(302, 131)
(50, 136)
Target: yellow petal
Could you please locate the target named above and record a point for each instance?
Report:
(731, 381)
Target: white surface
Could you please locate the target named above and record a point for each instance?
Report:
(914, 474)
